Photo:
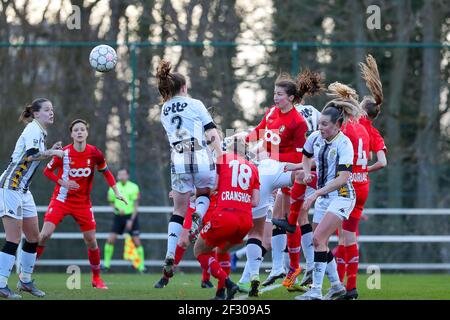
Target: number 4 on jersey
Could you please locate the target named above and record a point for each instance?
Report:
(362, 157)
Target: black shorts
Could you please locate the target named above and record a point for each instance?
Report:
(120, 223)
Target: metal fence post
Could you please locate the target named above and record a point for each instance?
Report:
(133, 63)
(294, 59)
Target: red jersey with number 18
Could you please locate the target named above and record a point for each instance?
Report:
(237, 180)
(79, 167)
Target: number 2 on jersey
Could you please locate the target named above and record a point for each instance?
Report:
(241, 174)
(362, 157)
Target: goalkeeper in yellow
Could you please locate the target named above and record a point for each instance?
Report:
(125, 220)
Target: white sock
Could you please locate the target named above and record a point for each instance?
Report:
(27, 262)
(331, 272)
(6, 265)
(308, 249)
(241, 253)
(201, 205)
(246, 273)
(173, 234)
(254, 258)
(278, 245)
(320, 265)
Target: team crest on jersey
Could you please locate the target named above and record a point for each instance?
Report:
(282, 128)
(88, 162)
(332, 154)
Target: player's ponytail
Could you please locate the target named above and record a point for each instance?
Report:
(27, 114)
(169, 83)
(344, 106)
(308, 84)
(369, 71)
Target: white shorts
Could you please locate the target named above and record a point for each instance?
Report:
(269, 215)
(187, 182)
(271, 177)
(340, 206)
(16, 204)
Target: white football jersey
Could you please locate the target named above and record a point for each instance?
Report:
(185, 121)
(331, 157)
(19, 172)
(310, 114)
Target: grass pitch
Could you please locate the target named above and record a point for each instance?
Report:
(187, 286)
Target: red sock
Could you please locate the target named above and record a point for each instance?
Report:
(179, 252)
(94, 260)
(297, 197)
(224, 261)
(207, 261)
(39, 251)
(352, 260)
(340, 261)
(205, 275)
(293, 242)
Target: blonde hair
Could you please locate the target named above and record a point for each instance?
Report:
(369, 71)
(345, 106)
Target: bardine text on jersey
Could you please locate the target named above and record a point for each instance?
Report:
(236, 196)
(176, 107)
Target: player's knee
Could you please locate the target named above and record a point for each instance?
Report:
(91, 242)
(112, 238)
(317, 241)
(183, 243)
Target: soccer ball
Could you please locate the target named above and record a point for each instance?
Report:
(103, 58)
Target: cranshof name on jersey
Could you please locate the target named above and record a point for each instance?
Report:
(236, 196)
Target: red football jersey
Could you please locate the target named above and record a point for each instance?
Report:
(237, 180)
(284, 134)
(360, 139)
(79, 167)
(376, 140)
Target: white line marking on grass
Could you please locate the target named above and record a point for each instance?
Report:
(269, 288)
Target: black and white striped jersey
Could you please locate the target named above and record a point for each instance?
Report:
(20, 171)
(331, 157)
(185, 121)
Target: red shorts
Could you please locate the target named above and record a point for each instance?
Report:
(187, 224)
(58, 210)
(362, 192)
(226, 227)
